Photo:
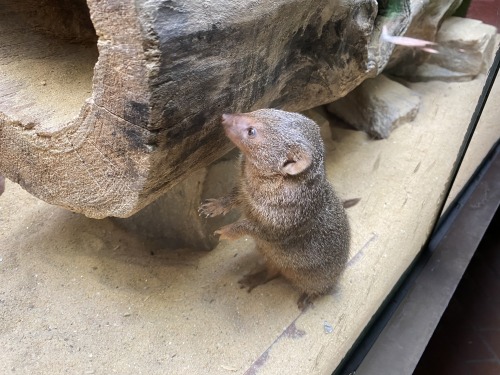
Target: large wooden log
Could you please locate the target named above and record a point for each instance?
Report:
(105, 105)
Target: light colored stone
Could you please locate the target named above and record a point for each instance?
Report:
(425, 17)
(464, 46)
(377, 106)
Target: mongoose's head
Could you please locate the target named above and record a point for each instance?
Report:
(276, 142)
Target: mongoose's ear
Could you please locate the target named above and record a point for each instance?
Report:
(298, 160)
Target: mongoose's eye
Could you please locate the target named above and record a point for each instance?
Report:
(252, 132)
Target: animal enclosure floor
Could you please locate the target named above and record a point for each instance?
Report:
(79, 295)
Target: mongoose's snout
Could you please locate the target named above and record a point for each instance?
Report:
(230, 124)
(227, 120)
(239, 128)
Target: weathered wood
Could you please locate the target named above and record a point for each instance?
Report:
(104, 129)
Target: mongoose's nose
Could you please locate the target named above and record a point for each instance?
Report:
(227, 119)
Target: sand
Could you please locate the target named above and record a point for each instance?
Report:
(83, 296)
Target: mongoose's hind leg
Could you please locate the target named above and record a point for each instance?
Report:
(253, 280)
(306, 300)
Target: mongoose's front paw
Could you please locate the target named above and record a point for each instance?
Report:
(227, 232)
(212, 207)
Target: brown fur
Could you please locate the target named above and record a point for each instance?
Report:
(299, 224)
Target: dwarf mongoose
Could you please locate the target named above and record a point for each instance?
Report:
(290, 209)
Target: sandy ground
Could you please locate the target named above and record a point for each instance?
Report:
(83, 296)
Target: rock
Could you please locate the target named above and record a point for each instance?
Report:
(425, 17)
(321, 117)
(464, 45)
(174, 218)
(377, 106)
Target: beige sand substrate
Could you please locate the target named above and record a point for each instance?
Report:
(82, 296)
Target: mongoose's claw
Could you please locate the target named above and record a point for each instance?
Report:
(211, 208)
(227, 233)
(222, 234)
(306, 300)
(253, 280)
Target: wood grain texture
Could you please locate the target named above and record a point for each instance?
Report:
(106, 128)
